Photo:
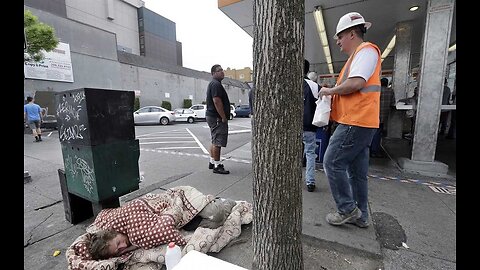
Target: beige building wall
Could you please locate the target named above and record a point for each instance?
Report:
(243, 75)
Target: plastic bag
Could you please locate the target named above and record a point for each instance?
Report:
(322, 112)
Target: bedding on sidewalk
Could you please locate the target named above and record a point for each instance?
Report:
(163, 215)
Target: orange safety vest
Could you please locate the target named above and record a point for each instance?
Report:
(360, 108)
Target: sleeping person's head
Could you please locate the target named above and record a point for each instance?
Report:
(106, 244)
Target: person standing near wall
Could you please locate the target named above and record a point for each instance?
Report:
(356, 109)
(217, 115)
(444, 114)
(452, 130)
(32, 113)
(310, 96)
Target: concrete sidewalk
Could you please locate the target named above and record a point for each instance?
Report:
(402, 211)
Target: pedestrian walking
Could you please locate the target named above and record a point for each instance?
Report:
(217, 115)
(32, 113)
(310, 96)
(356, 108)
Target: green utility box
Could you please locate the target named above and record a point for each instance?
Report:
(102, 172)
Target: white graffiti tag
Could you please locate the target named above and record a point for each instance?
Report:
(78, 167)
(69, 111)
(71, 132)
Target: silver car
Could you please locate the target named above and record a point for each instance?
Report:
(153, 115)
(182, 115)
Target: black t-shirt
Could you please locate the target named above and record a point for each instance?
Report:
(215, 89)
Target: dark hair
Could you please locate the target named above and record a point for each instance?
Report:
(359, 30)
(214, 68)
(384, 82)
(99, 244)
(29, 99)
(306, 66)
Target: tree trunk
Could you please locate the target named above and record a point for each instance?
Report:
(277, 133)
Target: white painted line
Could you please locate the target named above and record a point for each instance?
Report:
(160, 132)
(168, 142)
(239, 125)
(222, 158)
(151, 138)
(185, 147)
(49, 134)
(239, 131)
(198, 142)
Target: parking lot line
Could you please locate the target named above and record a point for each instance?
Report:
(198, 142)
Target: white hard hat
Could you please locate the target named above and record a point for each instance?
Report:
(350, 19)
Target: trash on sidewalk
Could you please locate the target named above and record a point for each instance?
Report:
(404, 245)
(56, 253)
(26, 177)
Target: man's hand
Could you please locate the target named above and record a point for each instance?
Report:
(325, 92)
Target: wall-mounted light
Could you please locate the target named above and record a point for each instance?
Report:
(390, 46)
(317, 14)
(452, 48)
(413, 8)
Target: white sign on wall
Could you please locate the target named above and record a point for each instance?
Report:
(56, 66)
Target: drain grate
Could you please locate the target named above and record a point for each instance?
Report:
(444, 190)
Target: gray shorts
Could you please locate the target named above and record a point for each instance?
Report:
(219, 130)
(34, 124)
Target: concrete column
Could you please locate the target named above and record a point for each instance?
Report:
(403, 44)
(436, 39)
(401, 69)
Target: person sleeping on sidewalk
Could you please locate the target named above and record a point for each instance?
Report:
(108, 243)
(134, 225)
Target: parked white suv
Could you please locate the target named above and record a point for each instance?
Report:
(200, 110)
(232, 112)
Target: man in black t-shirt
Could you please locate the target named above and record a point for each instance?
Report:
(217, 115)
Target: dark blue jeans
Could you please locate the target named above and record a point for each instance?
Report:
(377, 138)
(346, 167)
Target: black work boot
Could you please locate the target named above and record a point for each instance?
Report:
(36, 139)
(39, 137)
(220, 169)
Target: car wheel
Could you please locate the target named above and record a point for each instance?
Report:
(190, 120)
(164, 121)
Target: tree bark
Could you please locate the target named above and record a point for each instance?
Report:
(277, 133)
